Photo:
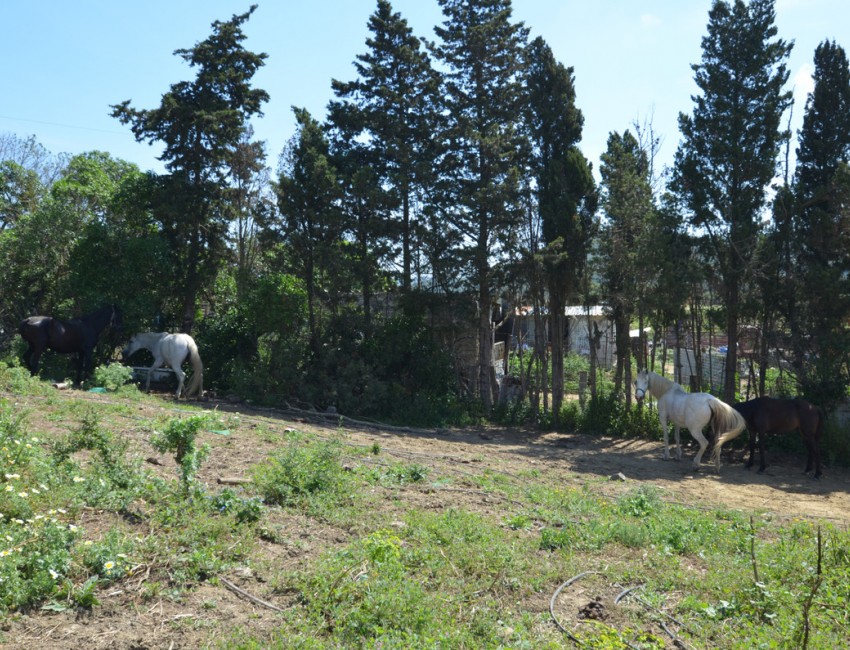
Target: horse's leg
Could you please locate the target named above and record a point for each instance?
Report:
(678, 441)
(663, 419)
(810, 454)
(703, 445)
(150, 371)
(812, 451)
(816, 453)
(762, 445)
(32, 357)
(181, 377)
(78, 362)
(752, 443)
(85, 364)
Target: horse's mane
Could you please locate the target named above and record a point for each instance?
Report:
(661, 383)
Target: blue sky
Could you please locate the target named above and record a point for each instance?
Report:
(63, 63)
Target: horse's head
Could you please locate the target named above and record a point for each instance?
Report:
(131, 347)
(641, 385)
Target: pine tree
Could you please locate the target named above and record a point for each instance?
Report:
(731, 142)
(201, 124)
(482, 50)
(311, 225)
(391, 108)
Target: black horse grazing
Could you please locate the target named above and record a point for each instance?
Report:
(76, 336)
(767, 415)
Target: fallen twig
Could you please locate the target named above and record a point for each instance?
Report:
(233, 480)
(242, 592)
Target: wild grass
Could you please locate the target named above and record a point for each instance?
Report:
(397, 575)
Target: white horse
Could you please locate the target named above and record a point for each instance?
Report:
(173, 350)
(692, 411)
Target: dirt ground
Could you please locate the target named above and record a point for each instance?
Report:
(202, 615)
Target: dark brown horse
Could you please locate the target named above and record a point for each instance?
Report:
(76, 336)
(769, 415)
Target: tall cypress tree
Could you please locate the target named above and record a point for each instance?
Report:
(822, 225)
(731, 142)
(628, 208)
(565, 189)
(482, 50)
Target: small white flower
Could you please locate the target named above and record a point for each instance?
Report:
(23, 495)
(53, 574)
(78, 479)
(9, 477)
(34, 491)
(108, 565)
(9, 488)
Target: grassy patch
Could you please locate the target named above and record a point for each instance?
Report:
(81, 515)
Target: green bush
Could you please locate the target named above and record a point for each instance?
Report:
(178, 437)
(302, 471)
(113, 376)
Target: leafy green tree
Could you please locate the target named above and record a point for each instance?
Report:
(565, 189)
(730, 144)
(32, 156)
(482, 50)
(311, 226)
(625, 266)
(201, 124)
(393, 107)
(83, 246)
(20, 192)
(821, 224)
(251, 200)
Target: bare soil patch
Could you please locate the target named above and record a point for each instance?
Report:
(203, 615)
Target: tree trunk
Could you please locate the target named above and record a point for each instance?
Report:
(730, 387)
(190, 291)
(405, 242)
(557, 317)
(485, 347)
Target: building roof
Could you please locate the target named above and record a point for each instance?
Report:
(595, 311)
(578, 311)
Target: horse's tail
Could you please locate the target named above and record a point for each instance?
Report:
(728, 423)
(819, 429)
(196, 383)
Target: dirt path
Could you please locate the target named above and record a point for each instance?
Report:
(782, 490)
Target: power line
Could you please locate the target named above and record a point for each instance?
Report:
(66, 126)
